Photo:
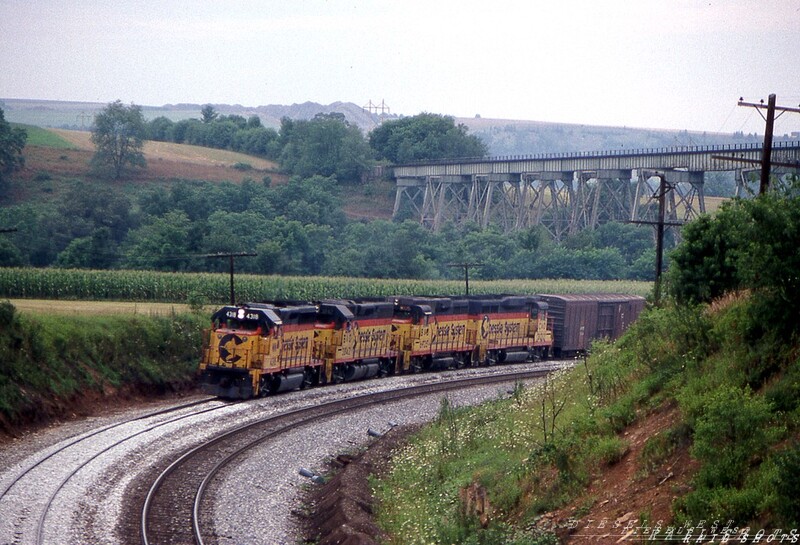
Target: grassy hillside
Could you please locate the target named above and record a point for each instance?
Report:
(46, 138)
(680, 421)
(57, 153)
(51, 365)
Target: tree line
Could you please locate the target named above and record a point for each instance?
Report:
(298, 228)
(327, 145)
(295, 228)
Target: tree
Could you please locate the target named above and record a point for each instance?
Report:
(424, 137)
(748, 244)
(118, 134)
(326, 145)
(165, 244)
(160, 129)
(12, 140)
(209, 113)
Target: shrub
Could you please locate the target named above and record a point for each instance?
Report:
(729, 435)
(786, 483)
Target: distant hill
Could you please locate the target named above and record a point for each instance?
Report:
(502, 136)
(512, 137)
(79, 115)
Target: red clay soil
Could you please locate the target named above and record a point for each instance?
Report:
(624, 503)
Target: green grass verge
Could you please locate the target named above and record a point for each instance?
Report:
(47, 360)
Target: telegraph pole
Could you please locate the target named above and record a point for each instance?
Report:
(660, 224)
(662, 192)
(466, 267)
(231, 256)
(766, 154)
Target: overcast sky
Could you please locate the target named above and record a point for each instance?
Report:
(674, 64)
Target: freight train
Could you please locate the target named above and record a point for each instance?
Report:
(257, 349)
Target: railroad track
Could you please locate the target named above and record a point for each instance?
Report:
(46, 475)
(173, 508)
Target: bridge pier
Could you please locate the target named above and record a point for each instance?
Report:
(684, 198)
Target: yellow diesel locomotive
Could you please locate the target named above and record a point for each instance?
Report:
(261, 348)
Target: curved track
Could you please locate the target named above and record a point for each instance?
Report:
(173, 508)
(74, 454)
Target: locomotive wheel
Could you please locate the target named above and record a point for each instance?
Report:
(310, 378)
(387, 367)
(338, 374)
(264, 384)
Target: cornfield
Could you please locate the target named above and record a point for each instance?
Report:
(150, 286)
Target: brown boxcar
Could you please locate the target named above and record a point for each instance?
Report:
(576, 320)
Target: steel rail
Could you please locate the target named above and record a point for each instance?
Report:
(77, 438)
(51, 499)
(312, 414)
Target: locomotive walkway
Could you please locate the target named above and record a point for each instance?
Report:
(569, 192)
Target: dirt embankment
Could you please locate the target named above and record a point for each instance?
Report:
(51, 412)
(340, 512)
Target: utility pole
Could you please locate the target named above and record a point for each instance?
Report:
(662, 191)
(231, 256)
(466, 267)
(766, 154)
(660, 224)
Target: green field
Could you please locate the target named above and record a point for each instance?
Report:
(38, 136)
(209, 288)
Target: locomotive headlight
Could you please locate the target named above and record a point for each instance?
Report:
(240, 314)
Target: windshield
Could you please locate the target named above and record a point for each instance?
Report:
(239, 325)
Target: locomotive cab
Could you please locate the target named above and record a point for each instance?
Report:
(539, 330)
(239, 341)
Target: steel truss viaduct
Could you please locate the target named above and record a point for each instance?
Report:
(566, 193)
